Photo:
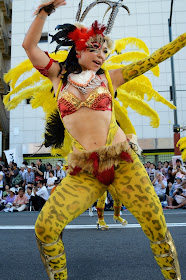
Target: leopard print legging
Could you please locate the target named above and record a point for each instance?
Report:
(77, 193)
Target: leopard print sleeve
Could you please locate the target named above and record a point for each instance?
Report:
(136, 69)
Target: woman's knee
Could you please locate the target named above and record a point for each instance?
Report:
(46, 228)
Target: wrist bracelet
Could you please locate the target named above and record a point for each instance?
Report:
(49, 9)
(41, 17)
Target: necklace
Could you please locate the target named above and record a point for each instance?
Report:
(84, 81)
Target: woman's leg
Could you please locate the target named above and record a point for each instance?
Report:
(100, 211)
(71, 198)
(117, 206)
(137, 194)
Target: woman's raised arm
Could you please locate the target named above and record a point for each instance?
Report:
(135, 69)
(37, 56)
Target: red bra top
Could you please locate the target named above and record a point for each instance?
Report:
(99, 99)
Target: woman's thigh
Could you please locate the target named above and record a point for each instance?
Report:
(70, 199)
(137, 193)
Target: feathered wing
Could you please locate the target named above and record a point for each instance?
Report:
(138, 105)
(133, 93)
(38, 89)
(121, 44)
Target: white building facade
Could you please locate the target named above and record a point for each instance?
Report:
(149, 22)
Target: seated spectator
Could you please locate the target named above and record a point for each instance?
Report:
(59, 172)
(39, 196)
(148, 167)
(20, 202)
(170, 169)
(39, 171)
(169, 187)
(159, 186)
(159, 168)
(178, 170)
(23, 172)
(6, 191)
(165, 169)
(178, 181)
(46, 173)
(180, 197)
(29, 176)
(171, 197)
(28, 192)
(56, 183)
(7, 204)
(152, 172)
(50, 181)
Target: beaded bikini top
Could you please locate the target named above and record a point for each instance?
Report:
(99, 99)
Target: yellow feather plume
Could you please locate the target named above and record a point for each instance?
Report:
(36, 77)
(122, 118)
(183, 155)
(139, 106)
(139, 89)
(44, 98)
(14, 74)
(132, 57)
(181, 141)
(144, 80)
(128, 56)
(121, 44)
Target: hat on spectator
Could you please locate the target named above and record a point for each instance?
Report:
(183, 182)
(22, 165)
(12, 190)
(29, 166)
(59, 164)
(178, 178)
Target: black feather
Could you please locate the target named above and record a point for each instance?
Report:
(61, 37)
(54, 131)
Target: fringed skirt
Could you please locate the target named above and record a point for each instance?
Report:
(100, 162)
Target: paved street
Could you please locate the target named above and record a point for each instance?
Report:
(122, 253)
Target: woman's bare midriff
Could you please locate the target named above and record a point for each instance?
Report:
(90, 128)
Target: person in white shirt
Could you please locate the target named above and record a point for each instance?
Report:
(51, 181)
(180, 196)
(59, 172)
(23, 171)
(159, 186)
(179, 170)
(39, 196)
(46, 173)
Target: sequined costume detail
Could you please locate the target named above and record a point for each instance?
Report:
(99, 99)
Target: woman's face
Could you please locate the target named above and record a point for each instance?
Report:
(93, 58)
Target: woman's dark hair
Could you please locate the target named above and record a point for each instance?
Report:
(51, 171)
(71, 65)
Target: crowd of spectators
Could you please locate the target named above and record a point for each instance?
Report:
(169, 183)
(28, 187)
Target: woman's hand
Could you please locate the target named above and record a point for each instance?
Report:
(58, 3)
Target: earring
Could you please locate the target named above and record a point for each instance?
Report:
(77, 55)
